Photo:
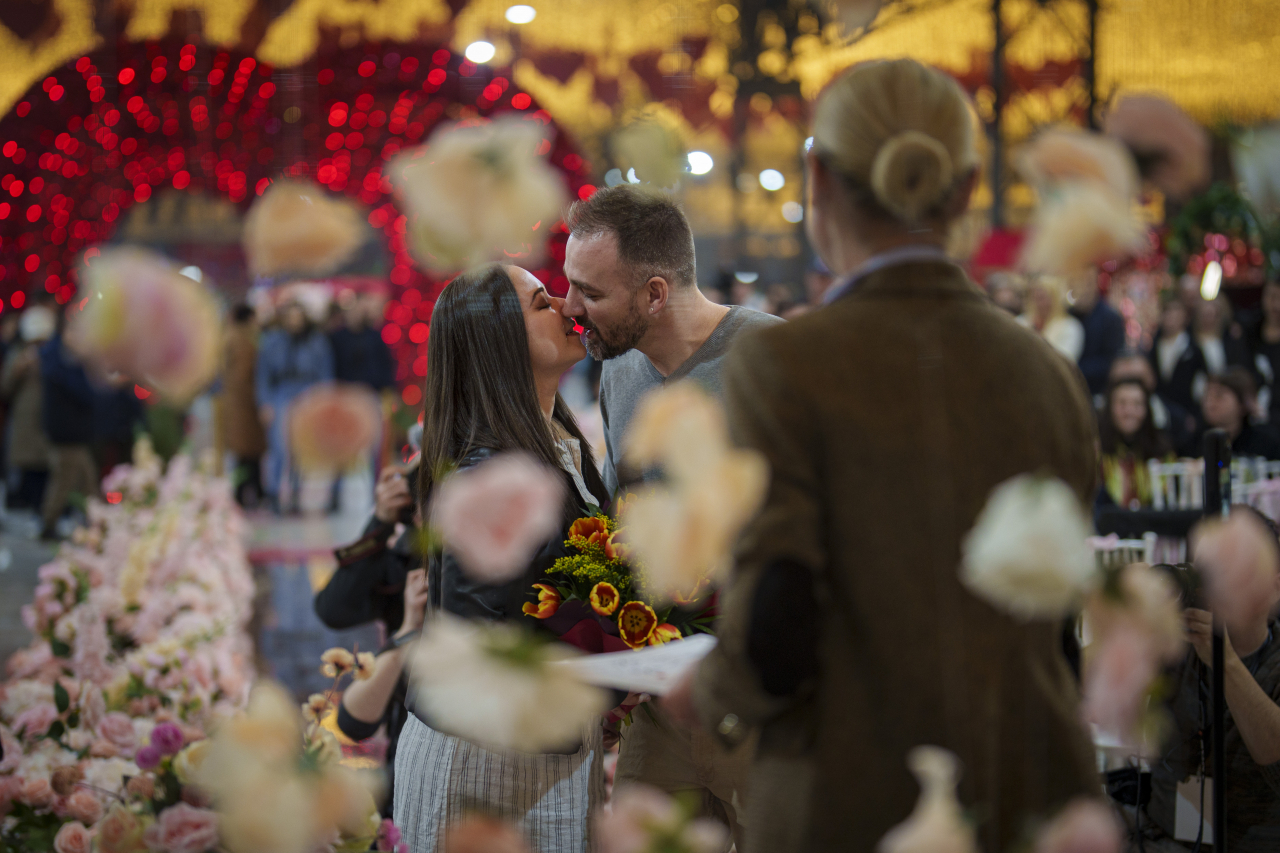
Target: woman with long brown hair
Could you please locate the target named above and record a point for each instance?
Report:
(498, 347)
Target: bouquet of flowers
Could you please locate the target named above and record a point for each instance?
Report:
(596, 598)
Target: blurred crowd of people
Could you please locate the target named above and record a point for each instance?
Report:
(1207, 364)
(65, 428)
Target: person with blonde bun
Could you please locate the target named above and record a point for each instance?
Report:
(887, 417)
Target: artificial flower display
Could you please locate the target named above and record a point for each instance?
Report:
(496, 684)
(1168, 143)
(141, 647)
(936, 825)
(1087, 186)
(142, 318)
(479, 191)
(278, 787)
(494, 516)
(643, 819)
(296, 227)
(333, 426)
(683, 530)
(1027, 553)
(598, 601)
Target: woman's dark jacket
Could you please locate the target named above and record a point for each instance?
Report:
(450, 589)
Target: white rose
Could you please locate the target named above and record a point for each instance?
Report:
(1027, 552)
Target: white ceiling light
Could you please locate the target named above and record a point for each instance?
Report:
(521, 14)
(792, 211)
(1211, 281)
(747, 277)
(771, 179)
(479, 52)
(613, 177)
(631, 176)
(193, 273)
(808, 143)
(700, 162)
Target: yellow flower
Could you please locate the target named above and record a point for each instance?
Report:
(636, 621)
(186, 764)
(604, 598)
(548, 602)
(317, 705)
(363, 666)
(664, 633)
(337, 662)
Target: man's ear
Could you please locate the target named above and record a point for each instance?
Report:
(657, 292)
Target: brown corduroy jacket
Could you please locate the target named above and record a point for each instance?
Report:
(887, 418)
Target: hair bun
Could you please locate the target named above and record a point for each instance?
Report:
(911, 174)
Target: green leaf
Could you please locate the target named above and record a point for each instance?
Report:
(59, 648)
(73, 720)
(56, 731)
(60, 697)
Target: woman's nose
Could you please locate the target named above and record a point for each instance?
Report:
(557, 305)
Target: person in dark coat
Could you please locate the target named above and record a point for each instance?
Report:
(359, 353)
(1228, 404)
(1177, 360)
(68, 422)
(241, 427)
(1103, 331)
(291, 359)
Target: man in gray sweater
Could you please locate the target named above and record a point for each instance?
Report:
(633, 289)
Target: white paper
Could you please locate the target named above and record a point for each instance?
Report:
(1187, 819)
(654, 670)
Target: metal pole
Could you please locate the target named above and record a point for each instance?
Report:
(997, 140)
(1217, 503)
(1091, 65)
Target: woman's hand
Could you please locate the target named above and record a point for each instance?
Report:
(415, 601)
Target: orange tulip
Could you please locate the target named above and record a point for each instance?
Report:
(664, 633)
(636, 621)
(616, 548)
(604, 598)
(548, 602)
(592, 529)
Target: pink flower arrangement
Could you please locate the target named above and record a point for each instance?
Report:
(141, 643)
(331, 426)
(73, 837)
(495, 515)
(183, 829)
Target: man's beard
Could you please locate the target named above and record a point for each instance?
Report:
(621, 339)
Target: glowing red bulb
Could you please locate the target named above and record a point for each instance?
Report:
(125, 76)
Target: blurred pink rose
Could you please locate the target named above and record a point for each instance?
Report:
(10, 787)
(73, 837)
(639, 813)
(495, 515)
(93, 707)
(331, 426)
(1240, 564)
(37, 793)
(118, 729)
(1117, 678)
(120, 831)
(84, 806)
(1084, 826)
(12, 750)
(183, 829)
(477, 834)
(103, 749)
(35, 721)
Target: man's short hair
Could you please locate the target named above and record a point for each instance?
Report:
(1238, 381)
(654, 238)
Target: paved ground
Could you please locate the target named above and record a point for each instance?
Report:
(21, 554)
